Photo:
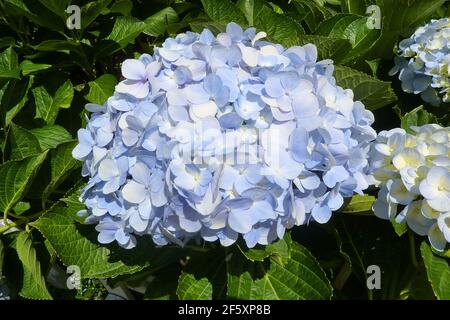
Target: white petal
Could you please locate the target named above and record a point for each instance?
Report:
(81, 151)
(437, 239)
(133, 69)
(105, 237)
(249, 55)
(440, 204)
(321, 213)
(134, 192)
(107, 169)
(204, 110)
(169, 55)
(416, 221)
(189, 225)
(240, 221)
(138, 89)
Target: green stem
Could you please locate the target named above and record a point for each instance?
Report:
(16, 216)
(8, 226)
(5, 218)
(25, 220)
(85, 64)
(342, 276)
(412, 249)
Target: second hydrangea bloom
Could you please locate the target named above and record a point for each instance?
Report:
(423, 63)
(214, 137)
(413, 171)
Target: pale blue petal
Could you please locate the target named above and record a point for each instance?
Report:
(81, 151)
(335, 175)
(134, 192)
(273, 87)
(134, 70)
(240, 220)
(321, 214)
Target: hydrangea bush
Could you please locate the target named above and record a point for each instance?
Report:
(228, 150)
(413, 174)
(423, 62)
(220, 136)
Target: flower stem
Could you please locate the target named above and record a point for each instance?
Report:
(23, 220)
(412, 249)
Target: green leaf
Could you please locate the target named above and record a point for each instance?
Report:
(44, 108)
(91, 10)
(250, 8)
(199, 283)
(28, 67)
(373, 93)
(7, 42)
(354, 6)
(62, 163)
(33, 286)
(327, 48)
(299, 277)
(254, 254)
(14, 96)
(9, 66)
(47, 107)
(374, 65)
(156, 25)
(214, 27)
(21, 207)
(368, 240)
(72, 202)
(190, 288)
(101, 89)
(419, 288)
(56, 45)
(359, 204)
(438, 272)
(57, 6)
(125, 30)
(336, 25)
(15, 178)
(76, 244)
(223, 11)
(23, 143)
(279, 28)
(64, 95)
(361, 37)
(417, 117)
(35, 12)
(281, 248)
(399, 228)
(50, 137)
(354, 29)
(123, 7)
(312, 13)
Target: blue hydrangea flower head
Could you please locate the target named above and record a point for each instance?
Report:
(413, 173)
(423, 62)
(213, 137)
